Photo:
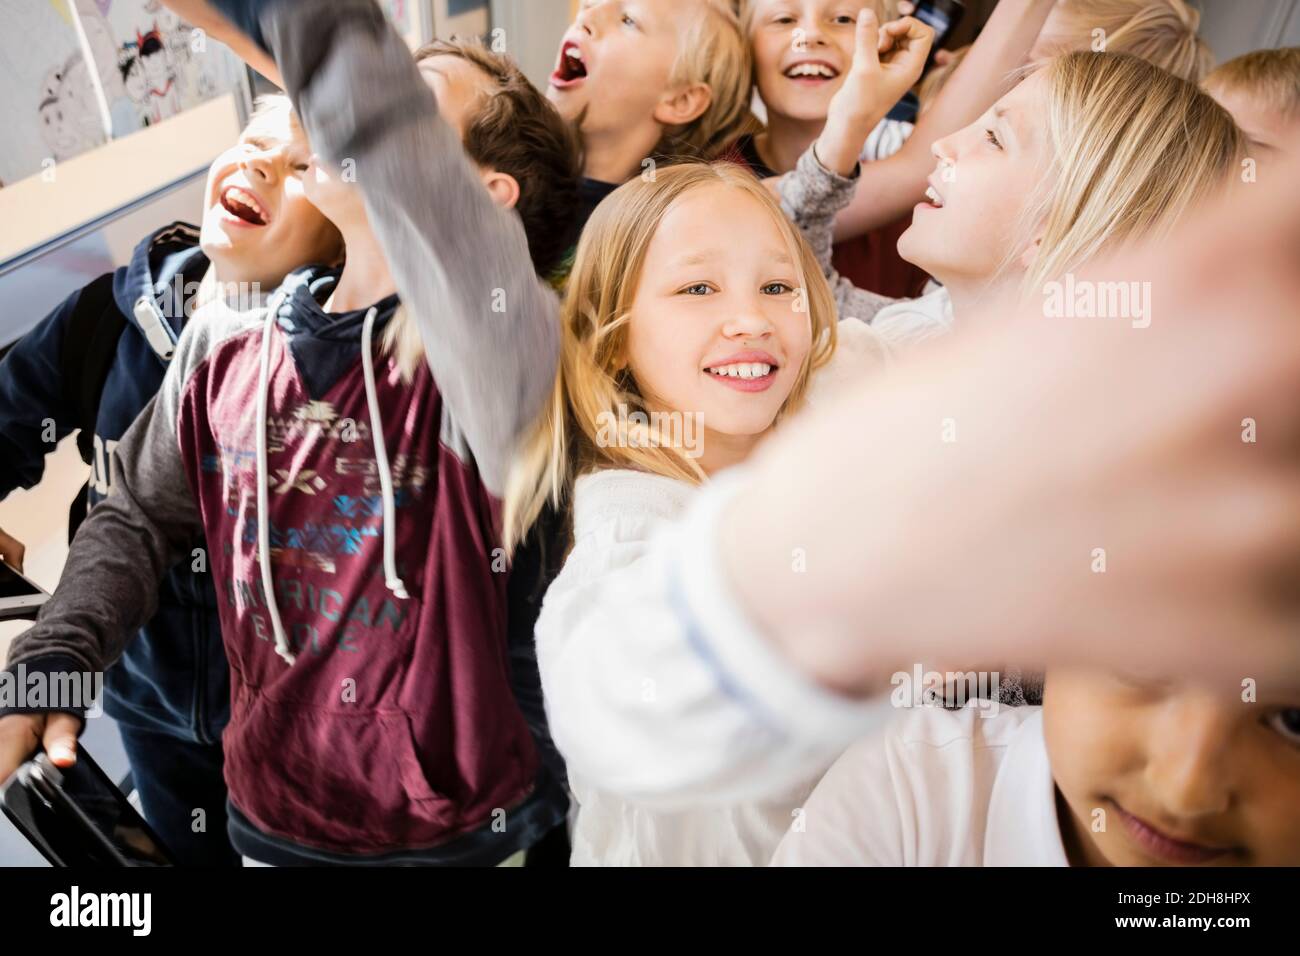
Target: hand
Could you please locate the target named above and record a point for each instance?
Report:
(22, 734)
(1068, 435)
(887, 61)
(11, 551)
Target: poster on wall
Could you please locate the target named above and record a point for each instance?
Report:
(76, 73)
(48, 107)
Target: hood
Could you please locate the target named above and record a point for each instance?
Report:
(324, 345)
(154, 290)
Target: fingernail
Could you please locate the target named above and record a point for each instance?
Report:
(62, 752)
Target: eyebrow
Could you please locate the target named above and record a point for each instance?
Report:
(705, 256)
(1003, 116)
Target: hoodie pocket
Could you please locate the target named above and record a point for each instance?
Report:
(347, 782)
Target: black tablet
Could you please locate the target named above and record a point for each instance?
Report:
(77, 816)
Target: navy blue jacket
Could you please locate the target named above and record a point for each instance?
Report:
(174, 678)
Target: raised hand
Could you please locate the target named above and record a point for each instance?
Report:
(887, 61)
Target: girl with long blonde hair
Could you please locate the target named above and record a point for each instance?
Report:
(694, 321)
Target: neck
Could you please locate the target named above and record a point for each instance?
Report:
(722, 451)
(785, 140)
(617, 158)
(365, 279)
(986, 296)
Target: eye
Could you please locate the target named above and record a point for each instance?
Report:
(992, 138)
(844, 19)
(777, 288)
(627, 21)
(1287, 723)
(699, 288)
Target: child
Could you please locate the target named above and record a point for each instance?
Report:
(666, 315)
(1110, 771)
(1262, 92)
(1002, 230)
(648, 80)
(1162, 32)
(93, 364)
(346, 467)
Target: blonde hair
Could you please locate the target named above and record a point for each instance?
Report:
(1162, 32)
(1133, 148)
(594, 380)
(713, 52)
(1270, 76)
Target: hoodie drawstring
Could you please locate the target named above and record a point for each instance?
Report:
(263, 516)
(391, 580)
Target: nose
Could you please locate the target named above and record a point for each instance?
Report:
(747, 321)
(1189, 767)
(262, 166)
(945, 153)
(592, 16)
(811, 32)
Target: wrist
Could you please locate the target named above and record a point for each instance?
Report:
(839, 146)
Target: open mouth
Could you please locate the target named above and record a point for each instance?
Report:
(932, 195)
(572, 67)
(811, 71)
(243, 205)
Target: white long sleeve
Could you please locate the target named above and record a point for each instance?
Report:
(659, 692)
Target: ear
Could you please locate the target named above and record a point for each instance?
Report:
(503, 187)
(683, 105)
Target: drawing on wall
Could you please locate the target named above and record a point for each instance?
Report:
(74, 73)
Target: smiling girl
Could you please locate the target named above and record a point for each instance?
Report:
(670, 316)
(1089, 150)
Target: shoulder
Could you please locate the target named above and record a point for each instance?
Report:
(910, 321)
(916, 793)
(630, 503)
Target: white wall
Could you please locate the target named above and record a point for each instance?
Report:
(533, 30)
(1234, 27)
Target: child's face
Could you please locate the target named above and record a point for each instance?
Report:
(802, 50)
(259, 224)
(982, 178)
(707, 302)
(1181, 776)
(615, 62)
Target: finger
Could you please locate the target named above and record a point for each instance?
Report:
(905, 9)
(18, 740)
(60, 739)
(868, 31)
(12, 551)
(942, 57)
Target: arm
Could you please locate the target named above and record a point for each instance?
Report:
(34, 417)
(461, 262)
(109, 585)
(823, 181)
(810, 197)
(891, 187)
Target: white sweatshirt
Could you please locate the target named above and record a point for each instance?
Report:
(937, 788)
(688, 739)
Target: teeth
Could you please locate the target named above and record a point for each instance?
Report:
(575, 52)
(811, 69)
(932, 195)
(742, 370)
(246, 198)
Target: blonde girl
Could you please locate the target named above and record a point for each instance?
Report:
(1088, 150)
(694, 321)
